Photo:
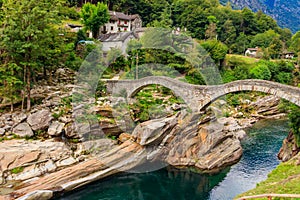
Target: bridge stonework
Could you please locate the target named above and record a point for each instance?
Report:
(199, 96)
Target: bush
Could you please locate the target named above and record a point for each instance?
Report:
(261, 71)
(238, 73)
(228, 76)
(286, 66)
(284, 77)
(194, 77)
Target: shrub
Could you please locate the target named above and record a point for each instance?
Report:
(261, 71)
(284, 77)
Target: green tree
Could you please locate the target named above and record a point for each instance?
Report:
(9, 83)
(248, 22)
(94, 16)
(269, 39)
(242, 42)
(27, 36)
(264, 22)
(295, 44)
(211, 31)
(265, 39)
(216, 49)
(229, 33)
(165, 20)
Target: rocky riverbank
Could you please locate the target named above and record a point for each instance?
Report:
(42, 154)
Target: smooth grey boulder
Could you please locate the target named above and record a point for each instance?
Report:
(23, 130)
(2, 131)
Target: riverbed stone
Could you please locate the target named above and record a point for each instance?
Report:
(124, 137)
(23, 130)
(19, 117)
(2, 131)
(241, 134)
(55, 128)
(70, 130)
(40, 120)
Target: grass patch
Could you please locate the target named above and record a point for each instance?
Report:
(234, 59)
(285, 179)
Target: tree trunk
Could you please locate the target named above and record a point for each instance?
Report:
(28, 71)
(136, 67)
(23, 99)
(11, 101)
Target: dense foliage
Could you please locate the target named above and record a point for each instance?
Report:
(28, 42)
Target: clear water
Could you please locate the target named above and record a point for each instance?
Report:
(259, 158)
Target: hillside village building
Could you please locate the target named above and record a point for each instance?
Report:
(120, 29)
(120, 22)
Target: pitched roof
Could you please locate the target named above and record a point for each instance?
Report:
(115, 37)
(119, 15)
(252, 49)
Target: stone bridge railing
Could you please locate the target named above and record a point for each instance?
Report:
(199, 96)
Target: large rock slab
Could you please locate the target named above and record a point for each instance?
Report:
(150, 131)
(40, 120)
(23, 130)
(209, 147)
(33, 158)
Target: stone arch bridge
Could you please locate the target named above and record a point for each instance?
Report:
(199, 96)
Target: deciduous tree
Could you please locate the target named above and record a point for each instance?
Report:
(27, 38)
(94, 16)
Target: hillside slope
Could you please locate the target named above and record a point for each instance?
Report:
(286, 12)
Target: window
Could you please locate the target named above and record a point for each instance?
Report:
(125, 29)
(125, 22)
(111, 28)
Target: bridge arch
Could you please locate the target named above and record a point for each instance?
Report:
(286, 92)
(132, 87)
(199, 96)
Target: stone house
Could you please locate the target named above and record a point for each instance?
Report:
(116, 40)
(120, 22)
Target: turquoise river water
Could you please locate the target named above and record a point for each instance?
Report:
(259, 158)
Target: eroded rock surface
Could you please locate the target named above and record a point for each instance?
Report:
(22, 160)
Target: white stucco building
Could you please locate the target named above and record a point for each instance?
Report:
(120, 22)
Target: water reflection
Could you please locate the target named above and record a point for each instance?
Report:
(166, 183)
(259, 158)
